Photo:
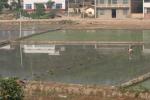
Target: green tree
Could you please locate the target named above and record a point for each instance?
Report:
(52, 12)
(40, 10)
(10, 89)
(19, 4)
(3, 4)
(13, 5)
(50, 4)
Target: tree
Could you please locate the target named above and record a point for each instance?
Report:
(40, 10)
(52, 12)
(3, 4)
(10, 89)
(19, 4)
(13, 5)
(50, 4)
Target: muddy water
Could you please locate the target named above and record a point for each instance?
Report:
(81, 64)
(75, 64)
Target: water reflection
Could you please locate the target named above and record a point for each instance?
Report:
(48, 49)
(10, 35)
(85, 64)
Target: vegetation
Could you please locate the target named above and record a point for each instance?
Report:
(15, 8)
(50, 4)
(40, 10)
(10, 89)
(3, 4)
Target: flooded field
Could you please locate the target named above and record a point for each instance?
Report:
(81, 64)
(91, 35)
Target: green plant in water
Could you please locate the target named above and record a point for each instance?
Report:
(10, 89)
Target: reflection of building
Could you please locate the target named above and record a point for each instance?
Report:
(113, 8)
(146, 40)
(49, 49)
(146, 7)
(7, 47)
(106, 49)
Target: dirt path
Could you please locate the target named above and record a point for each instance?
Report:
(69, 23)
(60, 91)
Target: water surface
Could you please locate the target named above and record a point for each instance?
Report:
(81, 64)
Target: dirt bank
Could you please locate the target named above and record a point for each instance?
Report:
(78, 24)
(60, 91)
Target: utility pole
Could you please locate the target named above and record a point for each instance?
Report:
(83, 9)
(95, 7)
(20, 35)
(68, 8)
(143, 9)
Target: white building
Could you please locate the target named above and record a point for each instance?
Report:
(29, 5)
(146, 8)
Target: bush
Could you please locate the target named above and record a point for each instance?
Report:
(10, 89)
(40, 10)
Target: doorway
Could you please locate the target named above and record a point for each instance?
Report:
(113, 13)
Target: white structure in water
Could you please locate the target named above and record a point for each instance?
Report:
(146, 40)
(7, 47)
(48, 49)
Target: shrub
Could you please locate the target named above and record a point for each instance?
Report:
(10, 89)
(40, 10)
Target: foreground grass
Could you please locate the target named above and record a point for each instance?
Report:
(62, 91)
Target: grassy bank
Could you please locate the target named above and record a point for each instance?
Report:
(57, 91)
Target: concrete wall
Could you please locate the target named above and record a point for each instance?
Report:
(121, 15)
(145, 6)
(108, 14)
(137, 15)
(147, 16)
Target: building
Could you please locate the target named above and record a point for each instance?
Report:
(146, 8)
(30, 5)
(78, 7)
(137, 9)
(136, 6)
(112, 9)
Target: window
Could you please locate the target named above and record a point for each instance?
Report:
(101, 11)
(146, 0)
(114, 1)
(101, 1)
(109, 1)
(125, 1)
(148, 10)
(58, 6)
(28, 6)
